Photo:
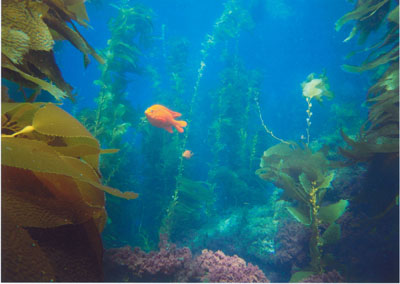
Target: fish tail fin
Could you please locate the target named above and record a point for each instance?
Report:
(179, 124)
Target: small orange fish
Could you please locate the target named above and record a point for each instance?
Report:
(187, 154)
(162, 117)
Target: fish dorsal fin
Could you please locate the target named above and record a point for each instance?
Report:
(174, 113)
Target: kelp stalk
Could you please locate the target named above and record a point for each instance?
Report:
(265, 127)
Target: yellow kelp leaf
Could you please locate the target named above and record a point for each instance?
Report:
(38, 156)
(87, 174)
(17, 116)
(78, 8)
(108, 151)
(52, 120)
(10, 107)
(15, 15)
(76, 151)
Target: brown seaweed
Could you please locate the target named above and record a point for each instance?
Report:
(29, 29)
(51, 194)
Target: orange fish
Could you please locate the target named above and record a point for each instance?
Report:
(162, 117)
(187, 154)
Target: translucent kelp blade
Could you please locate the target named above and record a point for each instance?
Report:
(16, 117)
(301, 214)
(362, 11)
(52, 120)
(64, 8)
(331, 234)
(305, 183)
(87, 174)
(80, 210)
(74, 37)
(333, 212)
(21, 245)
(78, 8)
(326, 182)
(392, 55)
(96, 200)
(87, 148)
(52, 89)
(77, 150)
(394, 15)
(89, 194)
(10, 108)
(38, 156)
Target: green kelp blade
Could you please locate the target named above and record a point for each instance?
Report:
(327, 181)
(332, 234)
(305, 183)
(300, 275)
(380, 60)
(301, 214)
(360, 12)
(394, 15)
(333, 212)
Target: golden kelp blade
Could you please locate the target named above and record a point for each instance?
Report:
(52, 120)
(38, 156)
(52, 89)
(16, 16)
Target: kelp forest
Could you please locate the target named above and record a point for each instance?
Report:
(257, 187)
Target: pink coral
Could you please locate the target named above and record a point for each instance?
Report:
(292, 244)
(221, 268)
(172, 264)
(168, 264)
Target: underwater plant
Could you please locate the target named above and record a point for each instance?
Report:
(115, 116)
(314, 88)
(228, 26)
(51, 189)
(305, 178)
(376, 146)
(380, 133)
(190, 210)
(29, 29)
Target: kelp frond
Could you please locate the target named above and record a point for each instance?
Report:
(29, 29)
